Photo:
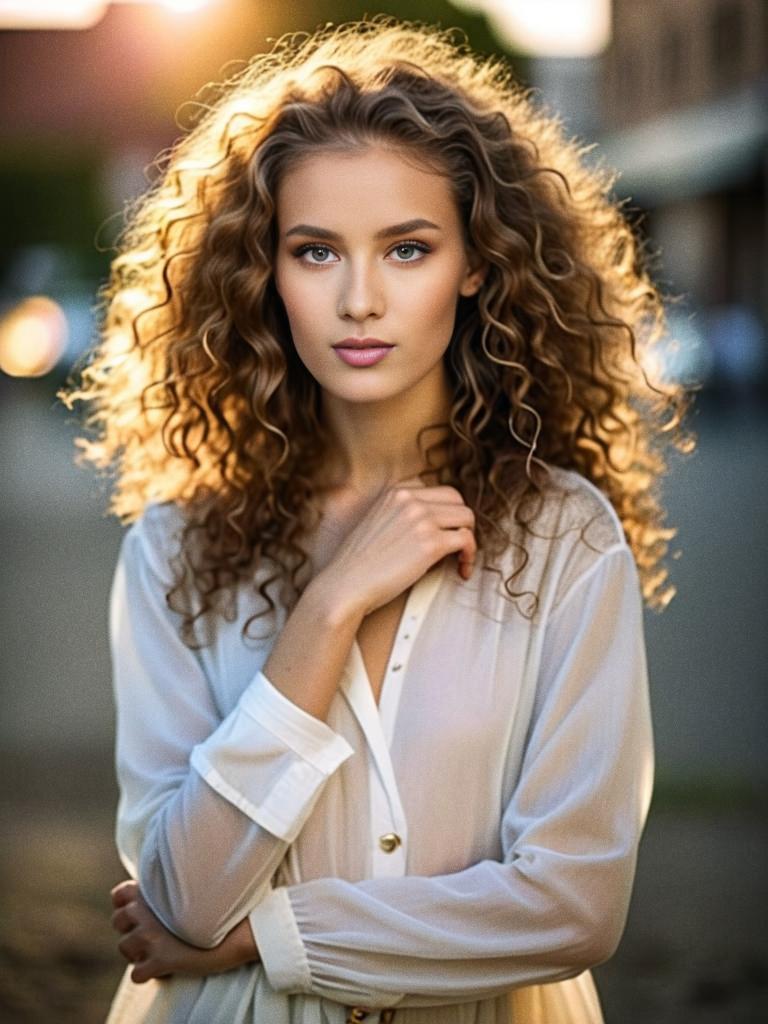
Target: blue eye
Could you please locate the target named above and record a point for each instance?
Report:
(316, 248)
(416, 246)
(312, 247)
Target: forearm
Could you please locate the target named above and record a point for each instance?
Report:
(211, 849)
(158, 952)
(239, 947)
(423, 941)
(308, 657)
(204, 864)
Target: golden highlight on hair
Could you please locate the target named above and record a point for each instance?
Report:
(196, 396)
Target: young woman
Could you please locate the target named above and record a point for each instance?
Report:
(375, 380)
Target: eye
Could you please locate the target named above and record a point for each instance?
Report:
(312, 247)
(412, 246)
(322, 251)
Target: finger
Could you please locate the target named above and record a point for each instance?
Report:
(465, 568)
(124, 892)
(140, 974)
(123, 919)
(439, 493)
(132, 948)
(452, 516)
(461, 540)
(147, 970)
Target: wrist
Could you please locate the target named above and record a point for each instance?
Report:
(337, 609)
(242, 948)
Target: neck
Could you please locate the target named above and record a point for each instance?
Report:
(376, 443)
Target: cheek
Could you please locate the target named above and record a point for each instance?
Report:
(434, 302)
(299, 299)
(304, 310)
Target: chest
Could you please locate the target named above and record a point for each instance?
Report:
(458, 694)
(377, 632)
(375, 638)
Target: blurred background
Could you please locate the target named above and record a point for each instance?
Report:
(673, 94)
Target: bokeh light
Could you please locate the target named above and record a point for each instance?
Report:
(549, 28)
(76, 14)
(33, 336)
(183, 6)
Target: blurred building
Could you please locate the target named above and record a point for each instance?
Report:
(684, 103)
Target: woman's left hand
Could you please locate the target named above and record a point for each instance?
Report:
(159, 953)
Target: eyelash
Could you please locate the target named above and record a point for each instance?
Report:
(309, 246)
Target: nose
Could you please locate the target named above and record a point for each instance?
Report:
(361, 293)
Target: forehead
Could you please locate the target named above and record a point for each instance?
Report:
(363, 188)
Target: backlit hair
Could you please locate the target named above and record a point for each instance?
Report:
(196, 396)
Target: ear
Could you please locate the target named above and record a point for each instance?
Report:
(473, 278)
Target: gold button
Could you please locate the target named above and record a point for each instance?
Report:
(389, 842)
(357, 1014)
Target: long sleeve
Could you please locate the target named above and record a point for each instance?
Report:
(208, 805)
(556, 903)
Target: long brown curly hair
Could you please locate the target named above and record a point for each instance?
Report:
(197, 397)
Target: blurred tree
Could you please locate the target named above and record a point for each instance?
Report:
(50, 196)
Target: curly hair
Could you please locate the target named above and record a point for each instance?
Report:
(196, 395)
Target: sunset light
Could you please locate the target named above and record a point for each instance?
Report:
(77, 14)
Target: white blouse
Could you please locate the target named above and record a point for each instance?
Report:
(463, 852)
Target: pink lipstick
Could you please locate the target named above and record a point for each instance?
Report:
(362, 351)
(363, 356)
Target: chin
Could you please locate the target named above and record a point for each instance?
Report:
(361, 392)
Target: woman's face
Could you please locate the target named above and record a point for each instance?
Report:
(349, 265)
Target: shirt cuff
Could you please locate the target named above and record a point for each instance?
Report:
(278, 941)
(271, 759)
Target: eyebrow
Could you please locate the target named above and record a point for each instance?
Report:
(396, 229)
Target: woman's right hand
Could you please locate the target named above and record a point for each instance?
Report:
(402, 535)
(158, 953)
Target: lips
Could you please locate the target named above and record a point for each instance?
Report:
(362, 355)
(356, 343)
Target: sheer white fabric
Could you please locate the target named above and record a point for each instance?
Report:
(464, 852)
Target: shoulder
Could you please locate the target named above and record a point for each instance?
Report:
(574, 504)
(154, 539)
(572, 529)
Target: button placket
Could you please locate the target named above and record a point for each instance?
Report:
(393, 681)
(386, 812)
(417, 606)
(388, 833)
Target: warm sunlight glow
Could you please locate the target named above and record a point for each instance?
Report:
(76, 14)
(549, 28)
(183, 6)
(33, 336)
